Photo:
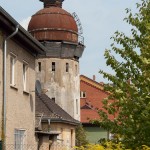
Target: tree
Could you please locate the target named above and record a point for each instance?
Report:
(81, 136)
(130, 88)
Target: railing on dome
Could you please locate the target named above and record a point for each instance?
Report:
(80, 29)
(81, 39)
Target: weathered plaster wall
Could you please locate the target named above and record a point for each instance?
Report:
(66, 138)
(20, 113)
(61, 85)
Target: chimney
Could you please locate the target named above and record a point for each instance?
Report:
(102, 83)
(94, 77)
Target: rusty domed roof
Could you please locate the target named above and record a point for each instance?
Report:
(53, 24)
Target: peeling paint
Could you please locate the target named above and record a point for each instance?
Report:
(61, 85)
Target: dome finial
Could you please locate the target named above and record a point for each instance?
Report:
(49, 3)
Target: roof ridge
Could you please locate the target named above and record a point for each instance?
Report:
(91, 80)
(97, 84)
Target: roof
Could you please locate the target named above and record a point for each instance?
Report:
(53, 24)
(91, 82)
(48, 109)
(48, 133)
(8, 23)
(88, 114)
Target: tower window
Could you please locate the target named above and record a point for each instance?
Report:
(53, 66)
(39, 66)
(53, 99)
(76, 70)
(67, 67)
(77, 106)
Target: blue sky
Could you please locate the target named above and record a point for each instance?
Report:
(99, 18)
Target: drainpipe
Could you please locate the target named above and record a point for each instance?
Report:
(4, 82)
(49, 122)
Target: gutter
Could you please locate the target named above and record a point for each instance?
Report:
(23, 36)
(58, 120)
(4, 81)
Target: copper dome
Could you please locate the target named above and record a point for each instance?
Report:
(53, 24)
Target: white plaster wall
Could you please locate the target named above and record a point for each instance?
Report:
(62, 85)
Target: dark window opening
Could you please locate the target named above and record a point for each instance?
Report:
(67, 67)
(82, 94)
(39, 66)
(76, 70)
(53, 99)
(77, 106)
(53, 66)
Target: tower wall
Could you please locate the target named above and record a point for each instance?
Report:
(60, 84)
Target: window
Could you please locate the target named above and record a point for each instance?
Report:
(82, 94)
(25, 68)
(53, 66)
(67, 67)
(12, 69)
(72, 137)
(20, 139)
(76, 70)
(77, 108)
(39, 66)
(53, 99)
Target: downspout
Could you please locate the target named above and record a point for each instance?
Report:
(4, 82)
(49, 122)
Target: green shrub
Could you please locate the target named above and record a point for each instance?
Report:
(108, 146)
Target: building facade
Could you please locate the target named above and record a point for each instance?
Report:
(55, 128)
(91, 95)
(18, 124)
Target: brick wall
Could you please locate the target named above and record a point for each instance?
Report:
(93, 94)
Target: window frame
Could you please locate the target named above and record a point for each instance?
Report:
(19, 139)
(13, 73)
(53, 66)
(25, 75)
(77, 107)
(39, 66)
(76, 69)
(67, 67)
(82, 94)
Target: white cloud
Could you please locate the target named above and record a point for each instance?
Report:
(24, 23)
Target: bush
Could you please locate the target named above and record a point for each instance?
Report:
(108, 146)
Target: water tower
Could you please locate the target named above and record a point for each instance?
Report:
(58, 70)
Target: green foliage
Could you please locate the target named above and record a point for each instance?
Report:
(81, 136)
(108, 146)
(129, 101)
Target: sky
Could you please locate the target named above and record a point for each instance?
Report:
(99, 19)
